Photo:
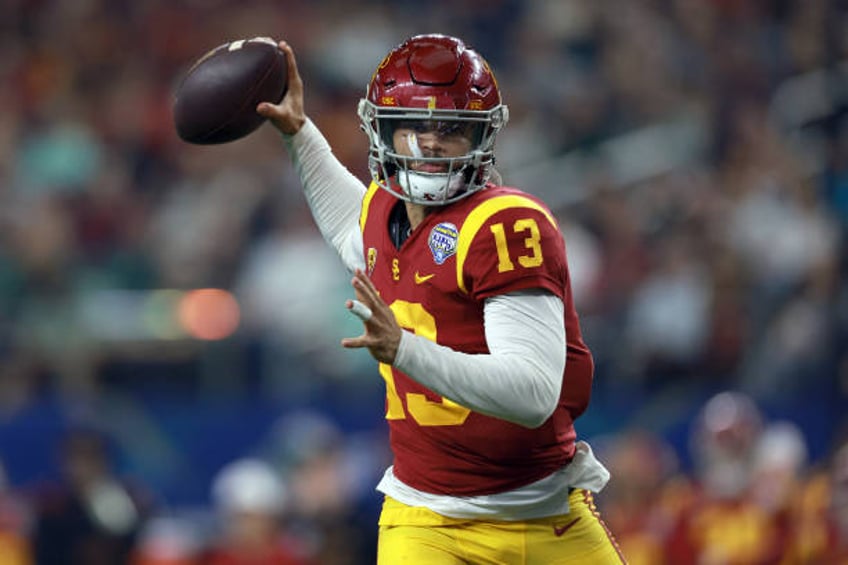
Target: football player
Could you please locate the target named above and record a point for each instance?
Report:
(464, 292)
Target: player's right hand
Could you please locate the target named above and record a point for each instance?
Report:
(288, 116)
(382, 332)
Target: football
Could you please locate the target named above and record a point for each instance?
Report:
(216, 100)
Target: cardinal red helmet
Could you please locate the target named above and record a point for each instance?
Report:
(432, 83)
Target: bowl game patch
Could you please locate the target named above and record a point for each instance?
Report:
(442, 241)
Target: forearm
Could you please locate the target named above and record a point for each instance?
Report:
(333, 193)
(519, 380)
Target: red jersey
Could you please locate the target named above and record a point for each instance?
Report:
(495, 241)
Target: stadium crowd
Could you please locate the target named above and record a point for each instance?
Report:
(697, 153)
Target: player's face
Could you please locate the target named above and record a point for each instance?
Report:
(432, 139)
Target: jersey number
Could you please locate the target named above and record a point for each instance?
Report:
(425, 412)
(531, 242)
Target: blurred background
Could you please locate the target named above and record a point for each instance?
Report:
(171, 385)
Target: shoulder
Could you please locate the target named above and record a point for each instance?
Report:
(496, 199)
(371, 201)
(508, 239)
(499, 204)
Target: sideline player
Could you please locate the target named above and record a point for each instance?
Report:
(464, 292)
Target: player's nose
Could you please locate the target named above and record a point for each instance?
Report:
(430, 144)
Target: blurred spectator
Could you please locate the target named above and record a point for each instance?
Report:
(15, 546)
(779, 466)
(331, 479)
(838, 509)
(168, 540)
(250, 498)
(723, 444)
(91, 516)
(819, 523)
(667, 321)
(299, 330)
(723, 524)
(835, 178)
(645, 495)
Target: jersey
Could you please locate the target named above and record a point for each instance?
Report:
(495, 241)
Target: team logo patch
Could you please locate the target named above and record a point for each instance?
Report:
(372, 259)
(442, 241)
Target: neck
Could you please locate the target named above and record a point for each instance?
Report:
(416, 213)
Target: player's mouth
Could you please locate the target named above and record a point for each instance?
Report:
(434, 168)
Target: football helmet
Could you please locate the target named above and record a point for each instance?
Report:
(432, 83)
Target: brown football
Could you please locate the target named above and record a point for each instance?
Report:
(216, 100)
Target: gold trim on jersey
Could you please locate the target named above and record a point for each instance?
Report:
(366, 203)
(478, 216)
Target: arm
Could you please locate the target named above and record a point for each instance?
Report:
(519, 380)
(334, 194)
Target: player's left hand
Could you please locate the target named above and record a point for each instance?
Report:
(382, 332)
(288, 115)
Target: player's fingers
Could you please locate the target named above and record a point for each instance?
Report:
(363, 285)
(283, 116)
(287, 115)
(294, 79)
(267, 110)
(361, 292)
(355, 342)
(359, 310)
(290, 108)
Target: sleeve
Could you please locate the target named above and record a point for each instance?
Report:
(519, 380)
(333, 193)
(509, 244)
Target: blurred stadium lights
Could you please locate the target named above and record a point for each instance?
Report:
(158, 315)
(209, 313)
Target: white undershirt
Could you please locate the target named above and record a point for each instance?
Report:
(519, 379)
(333, 193)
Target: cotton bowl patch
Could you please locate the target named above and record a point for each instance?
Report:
(442, 241)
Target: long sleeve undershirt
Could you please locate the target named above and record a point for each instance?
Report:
(519, 380)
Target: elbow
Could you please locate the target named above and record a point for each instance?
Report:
(542, 398)
(540, 409)
(536, 416)
(531, 423)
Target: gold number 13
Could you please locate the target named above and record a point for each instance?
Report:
(413, 316)
(531, 242)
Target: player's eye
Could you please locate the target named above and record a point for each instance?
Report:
(418, 126)
(441, 128)
(446, 129)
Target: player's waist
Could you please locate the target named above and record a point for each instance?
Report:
(396, 513)
(482, 456)
(547, 496)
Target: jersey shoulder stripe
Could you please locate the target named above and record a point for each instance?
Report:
(366, 204)
(478, 216)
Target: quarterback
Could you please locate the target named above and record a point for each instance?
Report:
(463, 288)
